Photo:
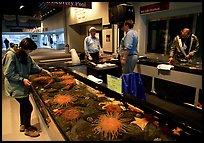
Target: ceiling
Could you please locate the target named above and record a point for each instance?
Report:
(34, 8)
(31, 8)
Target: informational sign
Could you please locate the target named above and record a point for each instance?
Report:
(107, 40)
(114, 83)
(154, 7)
(70, 4)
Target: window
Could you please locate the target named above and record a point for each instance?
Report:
(162, 32)
(156, 36)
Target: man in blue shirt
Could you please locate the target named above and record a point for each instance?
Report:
(92, 46)
(128, 48)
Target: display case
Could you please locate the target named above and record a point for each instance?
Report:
(83, 110)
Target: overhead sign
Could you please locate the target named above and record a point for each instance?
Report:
(154, 7)
(70, 4)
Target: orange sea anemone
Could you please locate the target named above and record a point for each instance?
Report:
(59, 73)
(112, 108)
(68, 81)
(63, 100)
(71, 114)
(110, 125)
(43, 80)
(65, 77)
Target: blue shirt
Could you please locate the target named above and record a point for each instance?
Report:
(130, 42)
(92, 45)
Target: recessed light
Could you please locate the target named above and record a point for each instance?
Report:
(22, 6)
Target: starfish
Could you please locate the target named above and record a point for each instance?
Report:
(100, 94)
(46, 101)
(133, 108)
(105, 104)
(58, 111)
(141, 122)
(177, 131)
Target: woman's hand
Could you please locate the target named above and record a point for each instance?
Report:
(26, 82)
(47, 72)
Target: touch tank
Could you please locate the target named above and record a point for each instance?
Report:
(86, 111)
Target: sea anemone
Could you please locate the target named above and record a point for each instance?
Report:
(68, 81)
(59, 73)
(43, 81)
(65, 77)
(110, 125)
(71, 114)
(112, 108)
(63, 100)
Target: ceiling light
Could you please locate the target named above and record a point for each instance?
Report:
(21, 6)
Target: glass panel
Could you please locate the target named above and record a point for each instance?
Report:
(156, 36)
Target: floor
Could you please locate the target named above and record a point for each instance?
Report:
(10, 107)
(11, 123)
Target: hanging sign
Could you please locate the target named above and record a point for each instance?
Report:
(154, 7)
(70, 4)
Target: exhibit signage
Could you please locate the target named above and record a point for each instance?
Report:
(154, 7)
(114, 83)
(70, 4)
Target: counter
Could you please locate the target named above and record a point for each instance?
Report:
(103, 71)
(182, 84)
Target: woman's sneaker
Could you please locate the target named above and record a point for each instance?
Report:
(22, 128)
(31, 133)
(32, 128)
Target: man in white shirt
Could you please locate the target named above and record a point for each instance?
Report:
(92, 46)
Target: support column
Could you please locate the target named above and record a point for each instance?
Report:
(65, 31)
(115, 37)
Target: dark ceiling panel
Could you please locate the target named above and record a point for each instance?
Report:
(31, 8)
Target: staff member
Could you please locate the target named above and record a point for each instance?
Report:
(184, 46)
(92, 46)
(128, 48)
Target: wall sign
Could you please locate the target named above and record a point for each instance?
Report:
(154, 7)
(107, 40)
(70, 4)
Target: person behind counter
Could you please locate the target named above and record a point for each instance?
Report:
(17, 66)
(128, 48)
(184, 47)
(92, 47)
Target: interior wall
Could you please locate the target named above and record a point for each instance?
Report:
(54, 22)
(175, 9)
(75, 40)
(78, 16)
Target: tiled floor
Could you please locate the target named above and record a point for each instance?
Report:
(11, 124)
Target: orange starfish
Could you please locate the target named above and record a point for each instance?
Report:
(58, 111)
(177, 131)
(141, 122)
